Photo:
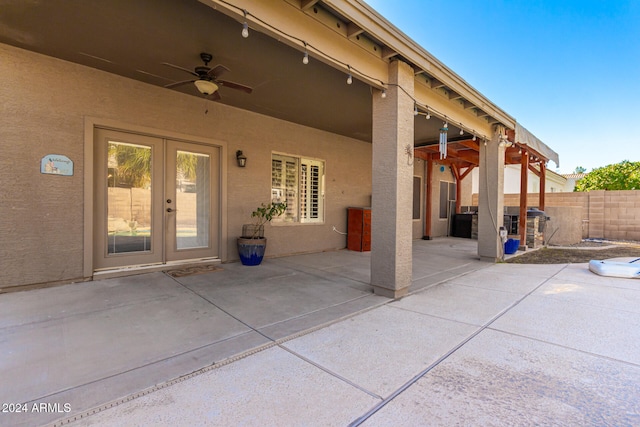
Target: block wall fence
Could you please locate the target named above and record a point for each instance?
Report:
(605, 214)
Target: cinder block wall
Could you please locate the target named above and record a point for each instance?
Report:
(622, 215)
(604, 214)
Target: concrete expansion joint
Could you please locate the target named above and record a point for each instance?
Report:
(164, 385)
(566, 347)
(445, 356)
(274, 343)
(280, 343)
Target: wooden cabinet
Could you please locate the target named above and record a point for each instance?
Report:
(359, 229)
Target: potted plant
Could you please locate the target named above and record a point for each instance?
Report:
(252, 243)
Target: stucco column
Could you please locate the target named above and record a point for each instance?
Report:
(491, 197)
(392, 186)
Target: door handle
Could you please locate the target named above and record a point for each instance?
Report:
(172, 210)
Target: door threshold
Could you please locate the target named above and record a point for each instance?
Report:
(150, 268)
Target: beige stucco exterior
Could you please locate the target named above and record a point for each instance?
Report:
(554, 183)
(391, 205)
(46, 111)
(366, 141)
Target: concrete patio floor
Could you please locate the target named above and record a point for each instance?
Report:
(303, 341)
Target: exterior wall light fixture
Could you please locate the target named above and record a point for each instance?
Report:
(241, 158)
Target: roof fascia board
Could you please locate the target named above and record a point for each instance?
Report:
(373, 23)
(293, 20)
(455, 115)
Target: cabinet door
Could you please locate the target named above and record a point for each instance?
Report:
(354, 229)
(366, 230)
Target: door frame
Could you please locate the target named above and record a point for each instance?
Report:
(171, 251)
(90, 123)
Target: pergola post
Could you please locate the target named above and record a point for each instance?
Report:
(429, 198)
(392, 182)
(543, 184)
(524, 175)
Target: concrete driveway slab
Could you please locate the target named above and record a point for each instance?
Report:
(580, 273)
(573, 291)
(459, 302)
(278, 298)
(498, 379)
(519, 280)
(321, 317)
(379, 350)
(538, 270)
(271, 388)
(117, 340)
(593, 329)
(45, 305)
(88, 351)
(117, 330)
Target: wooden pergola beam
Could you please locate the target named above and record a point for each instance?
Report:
(522, 227)
(535, 171)
(428, 197)
(543, 184)
(469, 169)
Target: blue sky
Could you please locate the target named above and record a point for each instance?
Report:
(567, 70)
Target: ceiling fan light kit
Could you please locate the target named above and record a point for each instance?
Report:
(207, 79)
(206, 87)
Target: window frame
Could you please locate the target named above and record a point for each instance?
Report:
(450, 196)
(309, 176)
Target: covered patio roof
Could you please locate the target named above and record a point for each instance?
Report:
(137, 40)
(464, 152)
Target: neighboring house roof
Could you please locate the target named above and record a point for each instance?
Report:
(575, 176)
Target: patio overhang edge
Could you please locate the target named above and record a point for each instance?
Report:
(524, 137)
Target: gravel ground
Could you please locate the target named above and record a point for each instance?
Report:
(583, 252)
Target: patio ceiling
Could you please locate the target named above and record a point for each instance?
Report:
(134, 38)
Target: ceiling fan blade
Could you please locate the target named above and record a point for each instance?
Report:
(217, 71)
(233, 85)
(215, 96)
(176, 84)
(177, 67)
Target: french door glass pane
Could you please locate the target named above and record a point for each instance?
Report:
(192, 200)
(128, 198)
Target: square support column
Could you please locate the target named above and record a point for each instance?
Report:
(392, 183)
(491, 197)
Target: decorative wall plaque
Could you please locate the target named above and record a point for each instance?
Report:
(56, 164)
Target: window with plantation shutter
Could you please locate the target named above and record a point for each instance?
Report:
(299, 182)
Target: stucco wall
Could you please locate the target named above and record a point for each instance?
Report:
(553, 182)
(44, 105)
(439, 225)
(565, 225)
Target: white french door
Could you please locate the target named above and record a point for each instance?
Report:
(155, 200)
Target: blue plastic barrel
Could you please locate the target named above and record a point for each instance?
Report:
(511, 246)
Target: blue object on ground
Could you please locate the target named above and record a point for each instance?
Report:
(511, 246)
